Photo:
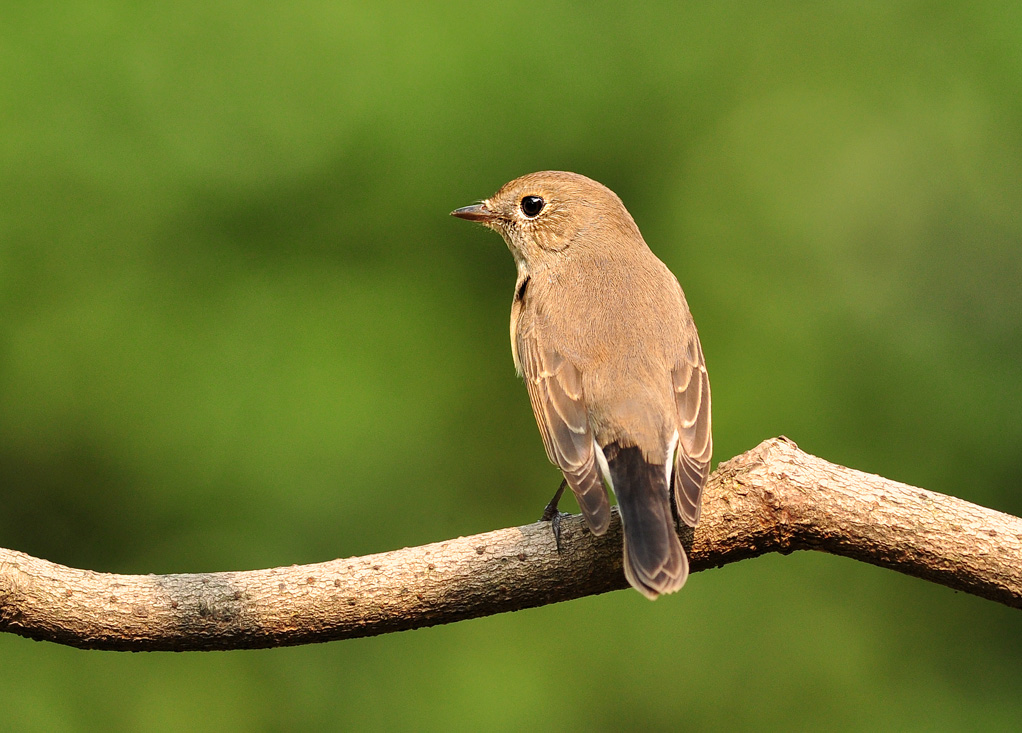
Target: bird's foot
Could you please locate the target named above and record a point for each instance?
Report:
(555, 526)
(552, 515)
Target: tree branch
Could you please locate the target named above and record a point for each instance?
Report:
(775, 498)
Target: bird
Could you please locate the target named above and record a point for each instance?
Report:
(603, 337)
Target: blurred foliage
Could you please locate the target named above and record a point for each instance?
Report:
(239, 330)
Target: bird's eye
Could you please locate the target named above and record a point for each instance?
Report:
(532, 205)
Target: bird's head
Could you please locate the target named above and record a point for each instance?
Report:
(541, 215)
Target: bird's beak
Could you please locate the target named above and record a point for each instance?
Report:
(475, 212)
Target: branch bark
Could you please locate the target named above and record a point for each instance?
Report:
(774, 498)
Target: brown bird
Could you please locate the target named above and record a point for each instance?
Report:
(602, 334)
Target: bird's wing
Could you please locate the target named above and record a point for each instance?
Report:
(555, 390)
(695, 443)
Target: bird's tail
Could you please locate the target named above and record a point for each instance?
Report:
(655, 561)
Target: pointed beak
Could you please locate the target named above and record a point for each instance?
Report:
(475, 212)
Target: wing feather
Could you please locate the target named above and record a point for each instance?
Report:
(695, 442)
(555, 390)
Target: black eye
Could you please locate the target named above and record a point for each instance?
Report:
(532, 205)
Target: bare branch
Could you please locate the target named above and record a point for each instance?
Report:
(775, 498)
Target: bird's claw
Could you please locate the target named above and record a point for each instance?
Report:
(554, 518)
(550, 514)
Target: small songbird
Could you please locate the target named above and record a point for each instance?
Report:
(602, 334)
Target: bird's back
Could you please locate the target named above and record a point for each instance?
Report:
(622, 320)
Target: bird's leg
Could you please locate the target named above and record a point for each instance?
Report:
(550, 514)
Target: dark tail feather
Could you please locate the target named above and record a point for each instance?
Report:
(655, 561)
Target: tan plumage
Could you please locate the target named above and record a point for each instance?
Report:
(602, 334)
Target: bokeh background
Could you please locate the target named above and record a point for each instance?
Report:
(239, 330)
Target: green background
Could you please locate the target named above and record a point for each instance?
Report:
(238, 329)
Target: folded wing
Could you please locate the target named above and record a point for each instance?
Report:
(555, 390)
(695, 444)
